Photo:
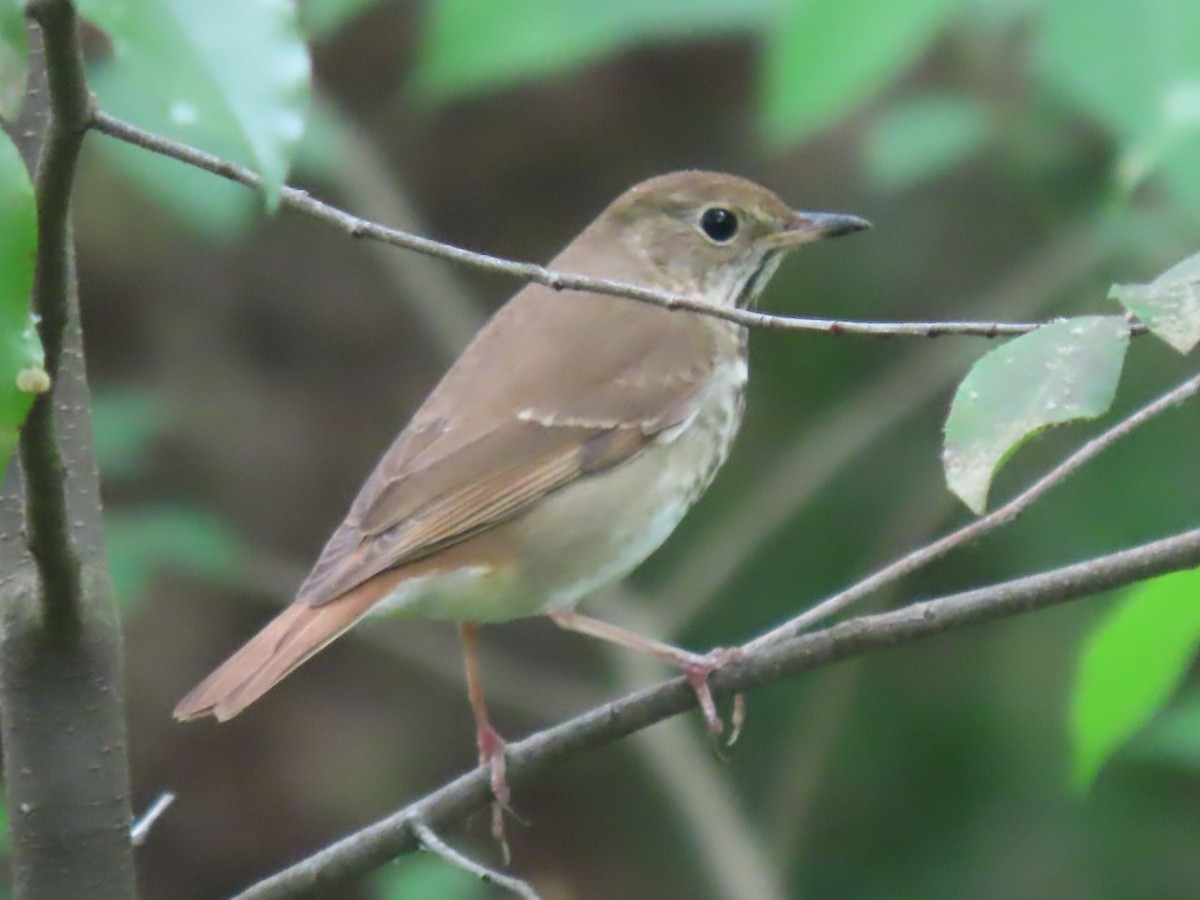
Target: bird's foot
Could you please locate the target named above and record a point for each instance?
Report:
(697, 669)
(491, 754)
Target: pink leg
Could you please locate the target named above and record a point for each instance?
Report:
(491, 745)
(696, 667)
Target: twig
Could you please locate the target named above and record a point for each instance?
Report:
(560, 281)
(431, 842)
(977, 529)
(141, 828)
(394, 835)
(827, 442)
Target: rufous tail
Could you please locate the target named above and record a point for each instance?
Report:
(288, 640)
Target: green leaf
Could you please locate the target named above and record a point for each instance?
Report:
(1063, 371)
(14, 58)
(234, 70)
(211, 206)
(476, 45)
(426, 877)
(1131, 663)
(1169, 305)
(125, 422)
(1173, 736)
(320, 18)
(923, 136)
(1133, 67)
(21, 360)
(142, 539)
(824, 57)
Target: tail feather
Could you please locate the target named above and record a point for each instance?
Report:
(287, 641)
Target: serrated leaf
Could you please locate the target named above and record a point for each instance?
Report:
(1062, 371)
(824, 57)
(923, 136)
(1131, 664)
(236, 70)
(1169, 305)
(142, 539)
(475, 45)
(20, 350)
(14, 58)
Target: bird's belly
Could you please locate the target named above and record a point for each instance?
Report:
(594, 531)
(603, 526)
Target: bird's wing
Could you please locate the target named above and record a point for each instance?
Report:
(572, 393)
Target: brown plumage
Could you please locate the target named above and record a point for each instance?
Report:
(561, 447)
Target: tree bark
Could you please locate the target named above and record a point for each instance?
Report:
(61, 694)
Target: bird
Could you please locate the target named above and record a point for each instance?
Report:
(560, 449)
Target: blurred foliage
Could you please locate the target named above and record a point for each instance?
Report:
(245, 87)
(319, 18)
(125, 423)
(1134, 68)
(20, 349)
(141, 539)
(811, 78)
(14, 59)
(1132, 663)
(427, 877)
(478, 45)
(923, 136)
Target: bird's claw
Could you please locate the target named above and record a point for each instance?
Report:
(697, 670)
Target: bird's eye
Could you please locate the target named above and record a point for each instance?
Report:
(719, 223)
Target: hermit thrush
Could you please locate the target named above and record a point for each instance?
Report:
(560, 450)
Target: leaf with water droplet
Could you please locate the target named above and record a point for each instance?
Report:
(1062, 371)
(224, 71)
(1169, 305)
(19, 344)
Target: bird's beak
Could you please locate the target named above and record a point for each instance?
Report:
(807, 227)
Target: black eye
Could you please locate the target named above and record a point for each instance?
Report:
(719, 223)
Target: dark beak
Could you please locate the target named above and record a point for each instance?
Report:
(815, 226)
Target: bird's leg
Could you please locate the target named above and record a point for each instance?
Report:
(696, 667)
(491, 745)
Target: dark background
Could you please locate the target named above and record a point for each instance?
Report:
(250, 370)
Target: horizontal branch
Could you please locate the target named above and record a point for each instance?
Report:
(377, 843)
(559, 281)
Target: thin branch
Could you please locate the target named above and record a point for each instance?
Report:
(431, 842)
(46, 518)
(141, 828)
(377, 843)
(826, 442)
(973, 531)
(559, 281)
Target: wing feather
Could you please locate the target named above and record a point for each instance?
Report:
(494, 438)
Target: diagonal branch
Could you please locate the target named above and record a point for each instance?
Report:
(374, 845)
(973, 531)
(559, 281)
